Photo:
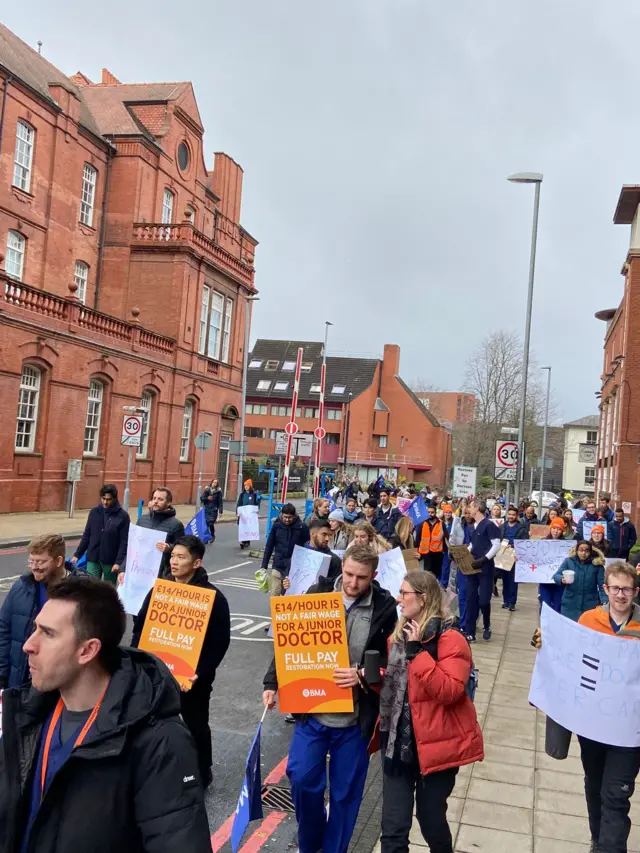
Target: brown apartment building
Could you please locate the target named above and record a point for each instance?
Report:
(374, 423)
(450, 407)
(125, 278)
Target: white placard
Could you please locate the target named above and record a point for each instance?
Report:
(142, 566)
(587, 682)
(391, 570)
(577, 514)
(464, 481)
(456, 537)
(249, 526)
(539, 559)
(306, 567)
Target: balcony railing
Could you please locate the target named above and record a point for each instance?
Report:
(383, 459)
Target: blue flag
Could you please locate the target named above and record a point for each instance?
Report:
(417, 511)
(380, 482)
(198, 527)
(250, 800)
(332, 505)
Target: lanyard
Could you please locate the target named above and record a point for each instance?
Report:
(52, 726)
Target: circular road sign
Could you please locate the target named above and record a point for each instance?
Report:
(132, 425)
(320, 432)
(291, 428)
(507, 454)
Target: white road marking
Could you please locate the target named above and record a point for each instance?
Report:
(248, 623)
(240, 583)
(228, 569)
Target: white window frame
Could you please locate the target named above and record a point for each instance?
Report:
(288, 366)
(255, 364)
(590, 479)
(16, 251)
(204, 318)
(271, 364)
(592, 432)
(216, 314)
(88, 194)
(263, 385)
(81, 278)
(168, 199)
(382, 440)
(226, 329)
(28, 403)
(94, 417)
(338, 389)
(280, 386)
(23, 156)
(306, 366)
(146, 403)
(315, 388)
(334, 414)
(185, 438)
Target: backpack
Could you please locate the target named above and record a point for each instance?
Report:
(474, 676)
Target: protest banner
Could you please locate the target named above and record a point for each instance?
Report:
(587, 682)
(391, 570)
(310, 642)
(539, 559)
(464, 559)
(175, 626)
(456, 537)
(417, 511)
(539, 531)
(250, 800)
(505, 558)
(464, 481)
(248, 524)
(198, 527)
(411, 562)
(402, 504)
(142, 566)
(587, 527)
(306, 566)
(577, 514)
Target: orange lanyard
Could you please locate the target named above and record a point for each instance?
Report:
(52, 727)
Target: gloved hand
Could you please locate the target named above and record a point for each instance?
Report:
(479, 563)
(536, 640)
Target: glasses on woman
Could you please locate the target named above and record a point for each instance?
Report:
(404, 592)
(625, 590)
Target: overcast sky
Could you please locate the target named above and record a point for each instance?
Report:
(376, 136)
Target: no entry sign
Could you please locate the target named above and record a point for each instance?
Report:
(320, 432)
(291, 428)
(506, 461)
(131, 430)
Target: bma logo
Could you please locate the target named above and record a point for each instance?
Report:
(307, 693)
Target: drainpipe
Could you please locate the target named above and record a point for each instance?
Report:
(103, 226)
(7, 80)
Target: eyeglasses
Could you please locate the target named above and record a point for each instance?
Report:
(37, 564)
(625, 590)
(404, 592)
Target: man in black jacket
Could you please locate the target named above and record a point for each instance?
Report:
(161, 516)
(94, 757)
(288, 530)
(371, 618)
(622, 536)
(186, 567)
(387, 515)
(105, 537)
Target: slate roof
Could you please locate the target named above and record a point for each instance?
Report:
(356, 374)
(113, 106)
(590, 422)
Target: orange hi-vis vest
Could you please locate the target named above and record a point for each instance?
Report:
(432, 540)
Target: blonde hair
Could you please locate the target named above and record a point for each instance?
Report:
(378, 543)
(621, 568)
(51, 544)
(434, 605)
(404, 529)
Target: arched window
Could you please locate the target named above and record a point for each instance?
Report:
(185, 439)
(14, 264)
(94, 416)
(81, 276)
(167, 207)
(146, 404)
(28, 400)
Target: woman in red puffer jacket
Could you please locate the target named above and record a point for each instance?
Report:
(428, 723)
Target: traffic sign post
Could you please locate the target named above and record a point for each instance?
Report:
(131, 431)
(202, 442)
(506, 460)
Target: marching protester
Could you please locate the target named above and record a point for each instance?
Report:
(365, 534)
(447, 518)
(512, 529)
(432, 538)
(591, 514)
(550, 514)
(403, 535)
(428, 723)
(319, 511)
(319, 538)
(211, 499)
(530, 516)
(25, 600)
(387, 516)
(495, 513)
(341, 531)
(604, 510)
(457, 579)
(105, 537)
(370, 509)
(248, 497)
(94, 756)
(551, 593)
(598, 539)
(287, 531)
(162, 517)
(186, 568)
(350, 511)
(622, 536)
(484, 545)
(569, 524)
(344, 737)
(582, 575)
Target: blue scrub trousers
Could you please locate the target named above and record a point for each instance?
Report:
(509, 587)
(446, 568)
(479, 592)
(307, 772)
(551, 594)
(461, 586)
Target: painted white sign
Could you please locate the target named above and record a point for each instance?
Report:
(249, 524)
(306, 566)
(142, 566)
(456, 537)
(464, 481)
(577, 514)
(539, 559)
(588, 682)
(587, 527)
(391, 570)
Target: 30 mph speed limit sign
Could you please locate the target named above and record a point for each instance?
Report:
(506, 461)
(131, 430)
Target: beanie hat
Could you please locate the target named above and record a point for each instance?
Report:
(597, 527)
(557, 522)
(336, 515)
(249, 483)
(447, 508)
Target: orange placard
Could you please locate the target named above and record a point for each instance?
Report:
(310, 642)
(175, 626)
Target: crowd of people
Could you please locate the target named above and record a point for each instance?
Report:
(72, 691)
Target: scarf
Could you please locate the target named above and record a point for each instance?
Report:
(350, 516)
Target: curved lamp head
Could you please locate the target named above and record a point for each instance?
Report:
(525, 178)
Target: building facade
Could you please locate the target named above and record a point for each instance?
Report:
(125, 282)
(374, 423)
(450, 407)
(581, 455)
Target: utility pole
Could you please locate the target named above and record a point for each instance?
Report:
(544, 434)
(245, 365)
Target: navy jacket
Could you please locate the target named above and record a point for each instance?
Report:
(20, 608)
(622, 538)
(385, 522)
(105, 535)
(586, 591)
(211, 507)
(281, 542)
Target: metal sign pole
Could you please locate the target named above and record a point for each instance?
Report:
(323, 379)
(127, 485)
(294, 405)
(200, 475)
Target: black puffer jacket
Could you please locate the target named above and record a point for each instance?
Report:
(165, 522)
(105, 535)
(281, 541)
(131, 787)
(213, 507)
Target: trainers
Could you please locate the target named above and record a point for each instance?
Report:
(505, 606)
(289, 718)
(470, 638)
(512, 608)
(486, 634)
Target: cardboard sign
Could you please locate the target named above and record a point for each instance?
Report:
(306, 566)
(540, 559)
(310, 642)
(505, 558)
(539, 531)
(464, 560)
(248, 524)
(175, 626)
(391, 570)
(142, 566)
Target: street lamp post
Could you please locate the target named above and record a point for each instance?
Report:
(245, 365)
(527, 178)
(544, 434)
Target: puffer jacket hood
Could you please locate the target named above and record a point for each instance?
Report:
(598, 556)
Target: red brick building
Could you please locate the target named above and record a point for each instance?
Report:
(450, 407)
(124, 279)
(375, 424)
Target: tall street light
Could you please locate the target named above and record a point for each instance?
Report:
(245, 365)
(544, 434)
(527, 178)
